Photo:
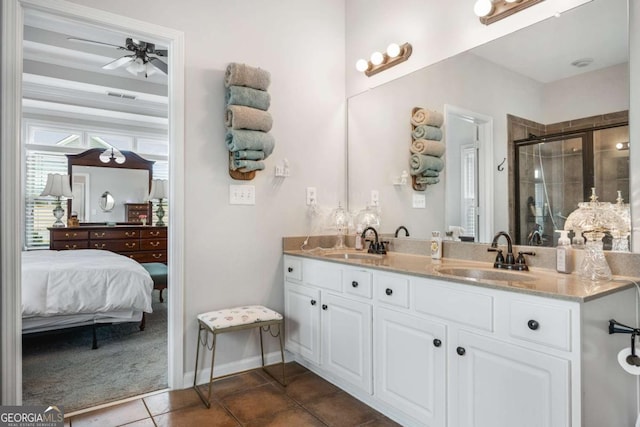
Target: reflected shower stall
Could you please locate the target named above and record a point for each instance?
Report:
(553, 173)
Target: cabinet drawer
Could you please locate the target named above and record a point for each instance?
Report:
(70, 244)
(70, 234)
(115, 245)
(357, 282)
(327, 275)
(150, 233)
(153, 244)
(114, 234)
(392, 289)
(142, 257)
(543, 324)
(468, 308)
(292, 268)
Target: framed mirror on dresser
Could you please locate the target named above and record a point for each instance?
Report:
(110, 200)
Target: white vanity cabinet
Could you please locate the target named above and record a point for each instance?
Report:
(326, 326)
(448, 354)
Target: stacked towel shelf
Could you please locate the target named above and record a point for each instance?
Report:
(247, 119)
(427, 148)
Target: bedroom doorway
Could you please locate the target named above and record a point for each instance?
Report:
(25, 13)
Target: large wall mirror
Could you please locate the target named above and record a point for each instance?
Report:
(559, 71)
(105, 181)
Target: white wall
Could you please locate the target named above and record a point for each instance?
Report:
(567, 99)
(233, 253)
(436, 29)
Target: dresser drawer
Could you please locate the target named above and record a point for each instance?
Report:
(392, 289)
(151, 256)
(153, 244)
(357, 282)
(114, 234)
(70, 234)
(458, 305)
(292, 268)
(115, 245)
(69, 244)
(150, 233)
(542, 324)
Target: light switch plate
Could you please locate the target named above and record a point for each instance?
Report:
(312, 197)
(375, 198)
(419, 201)
(242, 194)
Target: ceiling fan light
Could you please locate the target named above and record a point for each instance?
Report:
(150, 69)
(136, 67)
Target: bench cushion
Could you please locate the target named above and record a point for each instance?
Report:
(238, 316)
(158, 272)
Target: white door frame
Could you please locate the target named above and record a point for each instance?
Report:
(11, 212)
(485, 165)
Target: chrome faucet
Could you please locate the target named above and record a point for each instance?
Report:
(402, 227)
(376, 246)
(510, 262)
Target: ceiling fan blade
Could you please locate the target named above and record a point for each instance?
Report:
(159, 64)
(76, 39)
(160, 52)
(118, 62)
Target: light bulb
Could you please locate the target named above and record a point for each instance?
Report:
(483, 7)
(513, 1)
(362, 65)
(376, 58)
(393, 50)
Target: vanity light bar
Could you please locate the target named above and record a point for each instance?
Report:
(381, 61)
(490, 11)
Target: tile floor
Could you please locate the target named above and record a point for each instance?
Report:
(249, 399)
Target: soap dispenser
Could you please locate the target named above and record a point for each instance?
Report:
(436, 245)
(564, 253)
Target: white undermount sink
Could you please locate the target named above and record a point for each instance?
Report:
(353, 255)
(486, 274)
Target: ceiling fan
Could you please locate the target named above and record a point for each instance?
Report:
(142, 54)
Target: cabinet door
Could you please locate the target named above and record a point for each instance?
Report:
(410, 371)
(503, 385)
(346, 340)
(302, 321)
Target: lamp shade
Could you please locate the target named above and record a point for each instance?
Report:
(57, 186)
(159, 189)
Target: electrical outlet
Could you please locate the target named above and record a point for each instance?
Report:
(419, 201)
(375, 198)
(312, 197)
(242, 194)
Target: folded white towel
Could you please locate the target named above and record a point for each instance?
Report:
(241, 117)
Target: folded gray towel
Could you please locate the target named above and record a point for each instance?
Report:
(427, 146)
(427, 180)
(239, 139)
(427, 132)
(250, 97)
(247, 165)
(422, 116)
(241, 117)
(420, 163)
(245, 75)
(248, 155)
(431, 173)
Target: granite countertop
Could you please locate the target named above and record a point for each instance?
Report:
(537, 281)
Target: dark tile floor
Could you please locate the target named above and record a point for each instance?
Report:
(249, 399)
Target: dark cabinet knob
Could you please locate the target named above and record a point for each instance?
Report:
(324, 306)
(354, 284)
(389, 291)
(437, 342)
(313, 302)
(290, 269)
(533, 324)
(461, 351)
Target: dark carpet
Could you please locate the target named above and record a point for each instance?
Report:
(60, 368)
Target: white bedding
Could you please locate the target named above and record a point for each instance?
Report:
(58, 283)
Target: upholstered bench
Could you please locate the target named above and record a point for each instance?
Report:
(217, 322)
(158, 272)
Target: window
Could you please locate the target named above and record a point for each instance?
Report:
(469, 199)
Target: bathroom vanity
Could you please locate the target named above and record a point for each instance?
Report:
(427, 346)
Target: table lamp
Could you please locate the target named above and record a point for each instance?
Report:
(159, 191)
(57, 186)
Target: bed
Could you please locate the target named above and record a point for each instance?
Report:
(63, 289)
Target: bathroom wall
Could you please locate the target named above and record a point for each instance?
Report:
(233, 253)
(436, 29)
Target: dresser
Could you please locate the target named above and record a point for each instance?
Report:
(141, 243)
